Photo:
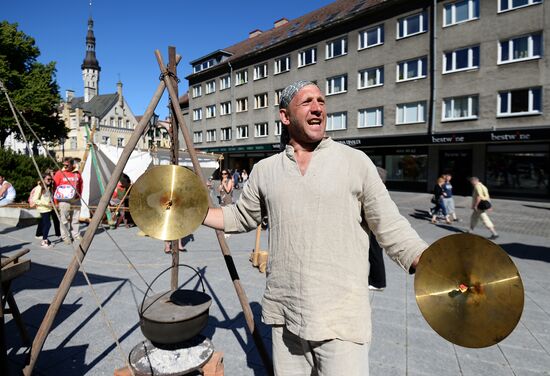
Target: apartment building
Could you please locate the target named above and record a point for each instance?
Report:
(423, 89)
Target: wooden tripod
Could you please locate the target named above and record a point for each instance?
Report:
(83, 247)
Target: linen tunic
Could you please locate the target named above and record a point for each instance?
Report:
(317, 273)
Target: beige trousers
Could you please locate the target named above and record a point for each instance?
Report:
(69, 220)
(294, 356)
(479, 214)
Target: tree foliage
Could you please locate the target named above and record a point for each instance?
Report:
(31, 85)
(19, 170)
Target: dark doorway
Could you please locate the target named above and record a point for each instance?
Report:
(459, 164)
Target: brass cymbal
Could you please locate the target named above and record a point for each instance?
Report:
(168, 202)
(469, 290)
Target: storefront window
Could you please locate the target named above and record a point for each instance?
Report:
(411, 168)
(518, 168)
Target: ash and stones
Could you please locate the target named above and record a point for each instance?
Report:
(148, 359)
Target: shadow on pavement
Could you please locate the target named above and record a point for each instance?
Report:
(524, 251)
(15, 247)
(537, 207)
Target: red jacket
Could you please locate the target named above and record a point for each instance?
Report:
(73, 178)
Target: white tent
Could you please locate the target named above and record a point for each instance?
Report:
(107, 157)
(99, 172)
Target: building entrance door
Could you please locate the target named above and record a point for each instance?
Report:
(459, 164)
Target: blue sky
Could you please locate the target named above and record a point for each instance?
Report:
(128, 32)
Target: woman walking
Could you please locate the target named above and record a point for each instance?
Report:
(438, 198)
(43, 200)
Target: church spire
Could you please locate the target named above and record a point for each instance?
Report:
(90, 61)
(90, 67)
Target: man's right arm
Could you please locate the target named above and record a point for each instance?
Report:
(214, 219)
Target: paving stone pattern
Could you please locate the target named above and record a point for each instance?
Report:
(403, 343)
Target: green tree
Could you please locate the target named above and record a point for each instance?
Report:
(32, 87)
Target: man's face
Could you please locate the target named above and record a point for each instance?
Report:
(305, 115)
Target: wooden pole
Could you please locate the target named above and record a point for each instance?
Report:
(80, 253)
(232, 269)
(174, 157)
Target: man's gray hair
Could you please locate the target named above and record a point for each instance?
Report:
(291, 90)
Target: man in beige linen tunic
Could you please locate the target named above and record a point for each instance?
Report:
(314, 194)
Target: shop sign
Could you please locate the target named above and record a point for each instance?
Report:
(447, 139)
(518, 136)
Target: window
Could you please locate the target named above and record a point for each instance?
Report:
(106, 140)
(337, 47)
(242, 104)
(412, 69)
(370, 117)
(336, 121)
(260, 130)
(504, 5)
(461, 59)
(225, 108)
(371, 77)
(241, 77)
(225, 82)
(307, 57)
(520, 102)
(204, 65)
(120, 142)
(260, 71)
(210, 87)
(210, 135)
(73, 122)
(460, 108)
(211, 111)
(411, 112)
(338, 84)
(460, 11)
(225, 134)
(260, 100)
(278, 127)
(119, 122)
(281, 65)
(196, 91)
(415, 24)
(197, 114)
(277, 96)
(242, 131)
(521, 48)
(197, 137)
(112, 122)
(127, 123)
(74, 143)
(371, 37)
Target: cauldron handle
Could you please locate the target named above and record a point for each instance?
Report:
(161, 273)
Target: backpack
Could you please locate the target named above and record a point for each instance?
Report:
(32, 204)
(65, 192)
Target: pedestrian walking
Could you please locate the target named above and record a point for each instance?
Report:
(314, 192)
(226, 188)
(438, 201)
(236, 179)
(68, 191)
(481, 205)
(7, 192)
(448, 199)
(42, 198)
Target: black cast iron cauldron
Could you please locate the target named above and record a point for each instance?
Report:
(176, 316)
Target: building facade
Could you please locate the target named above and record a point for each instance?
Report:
(462, 87)
(101, 118)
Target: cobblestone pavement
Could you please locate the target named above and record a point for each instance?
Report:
(403, 343)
